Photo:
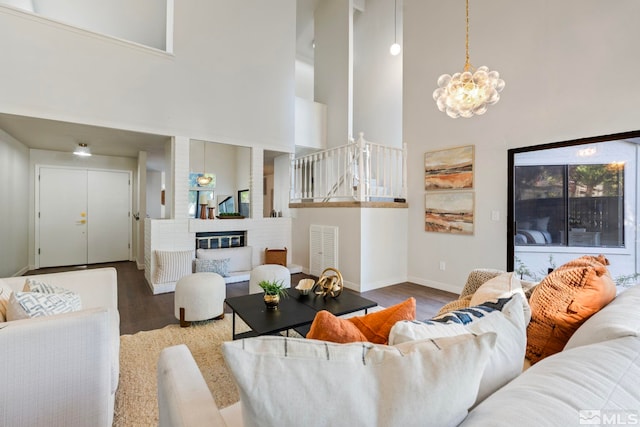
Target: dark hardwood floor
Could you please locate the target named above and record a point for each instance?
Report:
(140, 310)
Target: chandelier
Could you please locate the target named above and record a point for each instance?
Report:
(470, 92)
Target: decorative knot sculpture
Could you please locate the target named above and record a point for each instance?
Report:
(329, 284)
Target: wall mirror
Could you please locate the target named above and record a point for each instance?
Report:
(275, 189)
(231, 166)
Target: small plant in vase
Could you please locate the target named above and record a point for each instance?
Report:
(273, 290)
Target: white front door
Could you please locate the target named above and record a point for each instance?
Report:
(63, 217)
(110, 222)
(84, 216)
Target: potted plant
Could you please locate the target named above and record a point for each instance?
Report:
(273, 290)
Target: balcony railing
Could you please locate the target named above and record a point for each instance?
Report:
(358, 171)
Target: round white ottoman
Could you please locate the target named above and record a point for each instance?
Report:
(199, 296)
(271, 272)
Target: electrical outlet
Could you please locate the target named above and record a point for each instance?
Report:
(495, 215)
(442, 265)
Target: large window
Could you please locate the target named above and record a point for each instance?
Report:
(569, 205)
(574, 198)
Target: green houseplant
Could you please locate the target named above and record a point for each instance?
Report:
(273, 290)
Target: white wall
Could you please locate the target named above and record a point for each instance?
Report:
(22, 4)
(383, 249)
(154, 189)
(304, 80)
(14, 208)
(377, 75)
(568, 73)
(333, 67)
(210, 89)
(142, 21)
(243, 170)
(372, 243)
(347, 220)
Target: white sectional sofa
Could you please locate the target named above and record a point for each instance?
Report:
(63, 370)
(593, 381)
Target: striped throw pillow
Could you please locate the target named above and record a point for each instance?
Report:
(171, 266)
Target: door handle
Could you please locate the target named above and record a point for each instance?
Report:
(82, 221)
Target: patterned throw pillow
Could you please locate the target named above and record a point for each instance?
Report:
(220, 266)
(25, 305)
(32, 285)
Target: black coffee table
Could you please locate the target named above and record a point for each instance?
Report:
(296, 312)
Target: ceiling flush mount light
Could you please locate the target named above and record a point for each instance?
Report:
(395, 47)
(82, 150)
(470, 92)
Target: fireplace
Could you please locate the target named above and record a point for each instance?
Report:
(220, 239)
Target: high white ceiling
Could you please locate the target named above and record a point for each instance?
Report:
(62, 136)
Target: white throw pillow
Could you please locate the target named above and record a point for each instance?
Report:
(288, 381)
(502, 286)
(171, 266)
(505, 318)
(620, 318)
(25, 305)
(5, 293)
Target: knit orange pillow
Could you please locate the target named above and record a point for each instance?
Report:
(564, 300)
(372, 327)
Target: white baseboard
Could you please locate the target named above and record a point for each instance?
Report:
(23, 270)
(436, 285)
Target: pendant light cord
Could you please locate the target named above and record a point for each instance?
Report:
(395, 21)
(467, 62)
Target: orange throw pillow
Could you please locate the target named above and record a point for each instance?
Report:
(372, 327)
(327, 327)
(564, 300)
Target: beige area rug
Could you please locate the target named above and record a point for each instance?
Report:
(136, 399)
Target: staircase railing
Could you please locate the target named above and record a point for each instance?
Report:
(360, 170)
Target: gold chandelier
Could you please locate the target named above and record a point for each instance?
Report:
(470, 92)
